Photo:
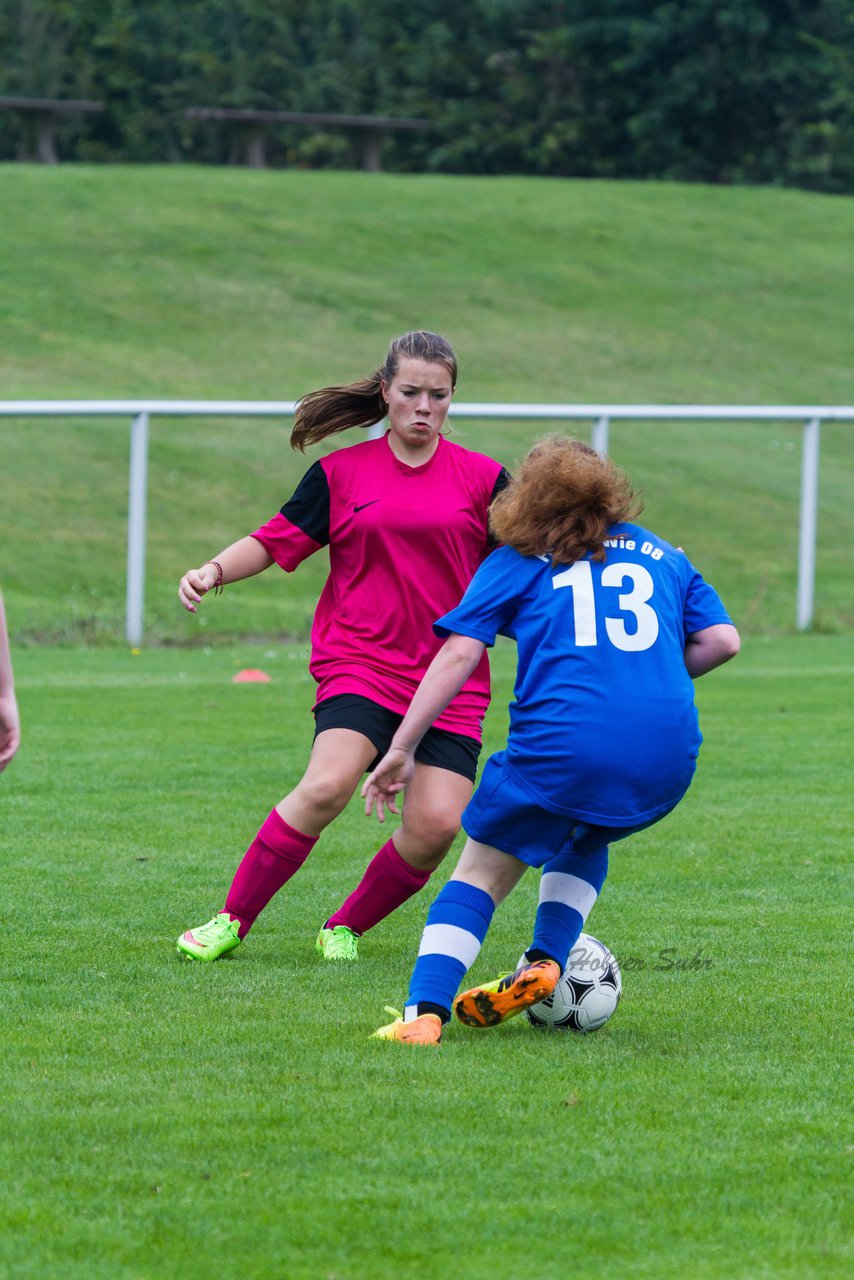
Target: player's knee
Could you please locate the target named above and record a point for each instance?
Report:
(324, 793)
(426, 859)
(432, 833)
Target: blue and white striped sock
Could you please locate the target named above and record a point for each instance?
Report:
(569, 886)
(456, 927)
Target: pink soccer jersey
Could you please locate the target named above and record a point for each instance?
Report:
(403, 543)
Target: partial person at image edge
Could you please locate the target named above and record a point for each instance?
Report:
(10, 721)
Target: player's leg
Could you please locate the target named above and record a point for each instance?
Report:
(493, 1002)
(503, 815)
(435, 799)
(338, 760)
(456, 926)
(569, 886)
(439, 791)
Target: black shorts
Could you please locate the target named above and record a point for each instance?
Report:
(439, 747)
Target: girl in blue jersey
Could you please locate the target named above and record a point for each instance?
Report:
(611, 624)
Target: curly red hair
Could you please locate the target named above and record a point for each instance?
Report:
(562, 502)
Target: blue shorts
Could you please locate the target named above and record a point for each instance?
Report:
(503, 815)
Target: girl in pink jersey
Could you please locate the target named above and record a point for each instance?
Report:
(405, 520)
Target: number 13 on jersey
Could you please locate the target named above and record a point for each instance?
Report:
(579, 578)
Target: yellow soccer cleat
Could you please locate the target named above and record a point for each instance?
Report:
(339, 943)
(427, 1029)
(210, 941)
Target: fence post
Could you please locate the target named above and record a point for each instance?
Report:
(599, 439)
(137, 485)
(808, 523)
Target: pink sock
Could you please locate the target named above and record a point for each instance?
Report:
(276, 853)
(386, 885)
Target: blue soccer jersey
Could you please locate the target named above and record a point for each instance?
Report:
(603, 726)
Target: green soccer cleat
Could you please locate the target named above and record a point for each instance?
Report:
(427, 1029)
(210, 941)
(338, 943)
(495, 1002)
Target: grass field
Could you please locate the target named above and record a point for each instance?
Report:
(218, 283)
(161, 1116)
(165, 1119)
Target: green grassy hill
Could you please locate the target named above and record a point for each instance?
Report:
(229, 283)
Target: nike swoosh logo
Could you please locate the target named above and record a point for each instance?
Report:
(365, 504)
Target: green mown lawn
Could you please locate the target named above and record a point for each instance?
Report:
(164, 1118)
(212, 283)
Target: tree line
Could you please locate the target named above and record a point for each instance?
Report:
(721, 91)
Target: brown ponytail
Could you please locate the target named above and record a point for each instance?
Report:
(360, 404)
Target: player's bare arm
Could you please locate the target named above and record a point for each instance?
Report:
(243, 559)
(710, 648)
(442, 681)
(10, 724)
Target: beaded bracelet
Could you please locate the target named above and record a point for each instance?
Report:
(217, 586)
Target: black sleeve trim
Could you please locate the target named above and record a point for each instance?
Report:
(501, 482)
(308, 509)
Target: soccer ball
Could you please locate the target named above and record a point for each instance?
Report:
(587, 993)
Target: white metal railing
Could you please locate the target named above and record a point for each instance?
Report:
(601, 415)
